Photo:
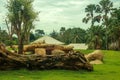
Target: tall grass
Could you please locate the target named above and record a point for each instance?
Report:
(110, 70)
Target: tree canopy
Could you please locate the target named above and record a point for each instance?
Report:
(21, 16)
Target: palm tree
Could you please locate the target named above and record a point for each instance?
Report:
(114, 27)
(78, 35)
(95, 37)
(90, 9)
(106, 6)
(73, 35)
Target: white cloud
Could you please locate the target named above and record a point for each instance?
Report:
(76, 2)
(62, 4)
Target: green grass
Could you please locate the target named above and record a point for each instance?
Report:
(110, 70)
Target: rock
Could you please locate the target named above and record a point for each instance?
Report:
(96, 55)
(96, 62)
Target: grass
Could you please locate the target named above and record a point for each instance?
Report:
(110, 70)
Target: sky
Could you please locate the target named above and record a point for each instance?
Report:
(55, 14)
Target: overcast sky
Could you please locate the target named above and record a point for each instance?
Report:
(55, 14)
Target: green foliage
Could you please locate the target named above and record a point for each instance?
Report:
(106, 5)
(95, 37)
(21, 16)
(54, 34)
(62, 30)
(4, 37)
(114, 28)
(32, 37)
(109, 70)
(70, 35)
(109, 18)
(77, 35)
(90, 10)
(39, 33)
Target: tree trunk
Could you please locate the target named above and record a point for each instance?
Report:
(27, 38)
(20, 44)
(72, 60)
(20, 47)
(106, 24)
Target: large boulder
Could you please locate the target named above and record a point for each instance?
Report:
(96, 55)
(96, 62)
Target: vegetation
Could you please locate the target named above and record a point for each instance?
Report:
(109, 71)
(70, 35)
(4, 36)
(95, 37)
(90, 9)
(39, 33)
(105, 35)
(21, 17)
(104, 11)
(114, 28)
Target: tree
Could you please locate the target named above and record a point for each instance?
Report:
(67, 36)
(62, 30)
(78, 35)
(10, 30)
(90, 10)
(54, 34)
(73, 35)
(32, 37)
(106, 6)
(95, 37)
(114, 28)
(39, 33)
(92, 39)
(103, 8)
(61, 36)
(21, 15)
(3, 36)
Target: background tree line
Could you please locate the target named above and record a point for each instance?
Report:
(105, 35)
